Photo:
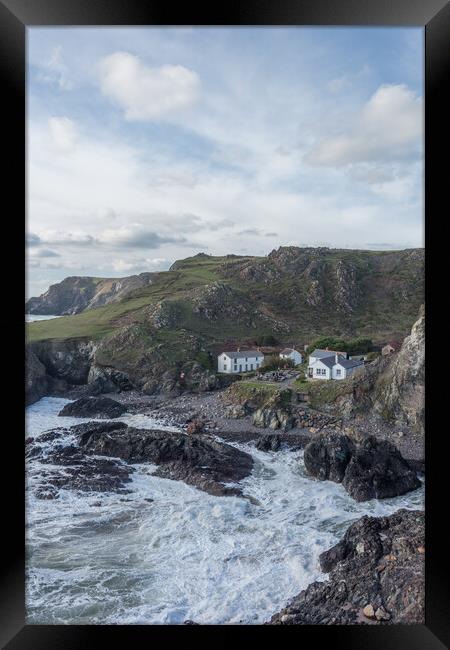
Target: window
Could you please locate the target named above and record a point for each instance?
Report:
(246, 367)
(246, 359)
(338, 372)
(224, 366)
(321, 371)
(251, 366)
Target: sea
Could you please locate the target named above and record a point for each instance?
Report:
(105, 558)
(31, 318)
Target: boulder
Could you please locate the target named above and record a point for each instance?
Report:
(93, 407)
(269, 442)
(198, 460)
(376, 577)
(367, 469)
(327, 457)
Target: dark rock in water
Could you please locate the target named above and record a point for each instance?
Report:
(96, 427)
(47, 492)
(376, 576)
(189, 622)
(93, 407)
(199, 460)
(269, 442)
(378, 470)
(67, 466)
(369, 469)
(327, 456)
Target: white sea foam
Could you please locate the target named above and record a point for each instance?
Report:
(112, 558)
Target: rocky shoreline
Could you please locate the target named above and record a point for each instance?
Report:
(366, 567)
(376, 576)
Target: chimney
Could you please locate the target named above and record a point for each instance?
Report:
(239, 349)
(336, 358)
(327, 348)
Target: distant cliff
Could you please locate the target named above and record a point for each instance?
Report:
(75, 294)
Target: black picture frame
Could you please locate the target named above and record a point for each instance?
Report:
(434, 16)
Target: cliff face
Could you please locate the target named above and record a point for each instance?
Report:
(75, 294)
(400, 390)
(391, 388)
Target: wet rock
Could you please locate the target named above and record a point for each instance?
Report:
(368, 468)
(369, 611)
(201, 461)
(269, 442)
(327, 457)
(93, 407)
(196, 426)
(364, 587)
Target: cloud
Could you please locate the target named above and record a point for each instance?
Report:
(77, 238)
(55, 70)
(139, 265)
(388, 127)
(147, 92)
(31, 239)
(257, 233)
(63, 133)
(44, 252)
(137, 237)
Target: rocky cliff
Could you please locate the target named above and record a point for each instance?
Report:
(75, 294)
(391, 388)
(376, 576)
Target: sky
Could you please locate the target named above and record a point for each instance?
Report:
(147, 145)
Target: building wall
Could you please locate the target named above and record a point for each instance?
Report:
(345, 372)
(295, 356)
(320, 370)
(227, 365)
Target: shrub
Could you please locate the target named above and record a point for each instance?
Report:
(266, 339)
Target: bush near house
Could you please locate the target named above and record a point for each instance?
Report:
(352, 346)
(273, 362)
(268, 339)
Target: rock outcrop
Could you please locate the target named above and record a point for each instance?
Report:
(390, 389)
(93, 407)
(367, 469)
(75, 294)
(400, 391)
(196, 459)
(36, 380)
(376, 576)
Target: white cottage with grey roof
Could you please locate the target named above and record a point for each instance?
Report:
(292, 354)
(237, 361)
(331, 364)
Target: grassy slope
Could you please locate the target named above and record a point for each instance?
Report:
(97, 322)
(378, 315)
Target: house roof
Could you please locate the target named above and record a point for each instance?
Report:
(327, 361)
(243, 353)
(321, 354)
(349, 363)
(288, 351)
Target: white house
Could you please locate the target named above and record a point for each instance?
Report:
(239, 361)
(293, 355)
(329, 364)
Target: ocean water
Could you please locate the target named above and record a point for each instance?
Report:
(103, 558)
(31, 318)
